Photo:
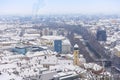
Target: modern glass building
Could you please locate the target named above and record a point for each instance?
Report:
(58, 46)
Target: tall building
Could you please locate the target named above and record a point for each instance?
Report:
(76, 55)
(101, 35)
(58, 46)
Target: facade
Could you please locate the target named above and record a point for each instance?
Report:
(117, 51)
(76, 55)
(66, 46)
(101, 35)
(58, 46)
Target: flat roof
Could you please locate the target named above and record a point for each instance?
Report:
(53, 37)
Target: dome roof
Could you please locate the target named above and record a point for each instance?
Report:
(76, 46)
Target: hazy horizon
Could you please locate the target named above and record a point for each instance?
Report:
(31, 7)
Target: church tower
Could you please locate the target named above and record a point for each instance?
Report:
(76, 55)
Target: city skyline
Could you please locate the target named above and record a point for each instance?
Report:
(30, 7)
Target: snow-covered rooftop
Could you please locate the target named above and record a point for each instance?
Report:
(53, 37)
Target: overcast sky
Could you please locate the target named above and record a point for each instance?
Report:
(24, 7)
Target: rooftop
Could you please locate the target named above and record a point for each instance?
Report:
(53, 37)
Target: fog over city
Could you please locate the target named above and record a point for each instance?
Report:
(59, 40)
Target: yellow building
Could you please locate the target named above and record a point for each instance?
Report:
(117, 51)
(76, 55)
